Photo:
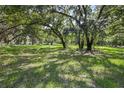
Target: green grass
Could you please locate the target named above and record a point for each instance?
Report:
(51, 66)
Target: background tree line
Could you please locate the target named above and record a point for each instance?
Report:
(82, 25)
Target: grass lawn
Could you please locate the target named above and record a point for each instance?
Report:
(51, 66)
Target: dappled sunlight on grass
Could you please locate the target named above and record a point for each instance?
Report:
(51, 66)
(118, 62)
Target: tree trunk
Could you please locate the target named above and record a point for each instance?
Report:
(63, 43)
(79, 43)
(51, 43)
(82, 44)
(89, 47)
(79, 40)
(89, 44)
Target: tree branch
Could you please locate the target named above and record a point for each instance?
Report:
(67, 15)
(18, 26)
(100, 12)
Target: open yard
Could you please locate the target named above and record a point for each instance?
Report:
(51, 66)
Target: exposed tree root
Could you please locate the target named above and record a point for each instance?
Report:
(90, 52)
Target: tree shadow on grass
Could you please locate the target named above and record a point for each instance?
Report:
(63, 69)
(24, 72)
(46, 75)
(102, 71)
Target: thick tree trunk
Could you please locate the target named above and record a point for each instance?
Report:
(89, 44)
(89, 47)
(63, 43)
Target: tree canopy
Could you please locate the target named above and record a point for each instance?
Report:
(84, 25)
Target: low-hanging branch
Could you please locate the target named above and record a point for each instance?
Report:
(18, 26)
(67, 15)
